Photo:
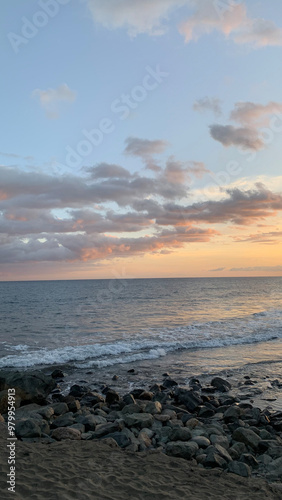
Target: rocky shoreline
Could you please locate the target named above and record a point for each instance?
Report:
(203, 424)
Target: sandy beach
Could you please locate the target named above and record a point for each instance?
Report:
(90, 470)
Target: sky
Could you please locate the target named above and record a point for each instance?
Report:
(140, 139)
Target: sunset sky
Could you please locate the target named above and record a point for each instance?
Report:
(140, 138)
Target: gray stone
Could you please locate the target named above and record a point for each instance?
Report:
(132, 408)
(222, 440)
(188, 397)
(236, 450)
(138, 420)
(213, 459)
(232, 413)
(32, 386)
(46, 412)
(120, 437)
(182, 449)
(91, 421)
(27, 428)
(180, 434)
(62, 433)
(60, 408)
(103, 429)
(201, 441)
(249, 459)
(246, 436)
(220, 384)
(65, 420)
(154, 407)
(239, 468)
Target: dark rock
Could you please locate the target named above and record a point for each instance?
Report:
(139, 420)
(189, 398)
(115, 377)
(136, 393)
(57, 374)
(214, 460)
(30, 386)
(182, 449)
(233, 413)
(112, 397)
(168, 383)
(249, 459)
(246, 436)
(62, 433)
(60, 408)
(180, 434)
(129, 399)
(121, 439)
(131, 370)
(27, 428)
(146, 395)
(63, 421)
(74, 406)
(239, 468)
(104, 429)
(91, 399)
(91, 421)
(78, 391)
(220, 384)
(201, 441)
(205, 412)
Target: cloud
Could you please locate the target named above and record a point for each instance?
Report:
(259, 33)
(13, 155)
(209, 16)
(109, 212)
(217, 269)
(231, 19)
(145, 150)
(254, 114)
(208, 104)
(270, 237)
(258, 269)
(244, 137)
(252, 117)
(107, 170)
(135, 16)
(51, 99)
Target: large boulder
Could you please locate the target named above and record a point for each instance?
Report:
(62, 433)
(28, 428)
(30, 386)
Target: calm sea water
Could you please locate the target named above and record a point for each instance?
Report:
(101, 323)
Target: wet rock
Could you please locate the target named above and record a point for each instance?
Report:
(146, 395)
(132, 408)
(232, 414)
(220, 384)
(246, 436)
(189, 398)
(46, 412)
(91, 399)
(168, 383)
(78, 391)
(62, 433)
(222, 440)
(182, 449)
(129, 399)
(57, 374)
(239, 468)
(91, 421)
(236, 450)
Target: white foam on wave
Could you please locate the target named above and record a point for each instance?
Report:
(153, 344)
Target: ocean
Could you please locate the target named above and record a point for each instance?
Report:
(94, 324)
